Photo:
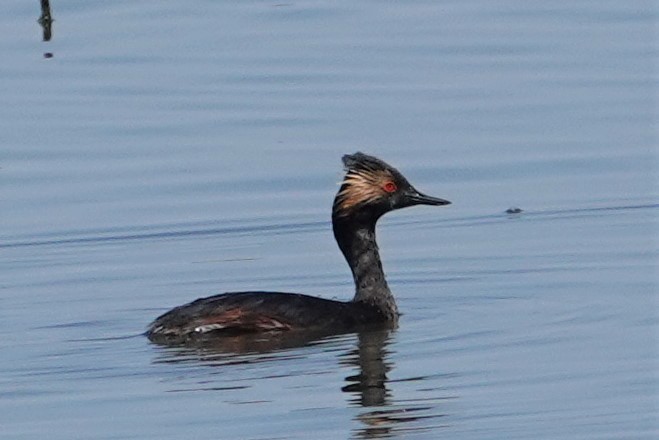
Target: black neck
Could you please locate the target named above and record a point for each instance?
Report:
(356, 238)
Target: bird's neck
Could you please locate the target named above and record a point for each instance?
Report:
(356, 238)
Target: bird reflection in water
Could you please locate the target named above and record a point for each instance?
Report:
(368, 388)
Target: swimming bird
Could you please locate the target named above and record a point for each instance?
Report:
(369, 189)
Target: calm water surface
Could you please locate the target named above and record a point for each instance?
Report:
(171, 150)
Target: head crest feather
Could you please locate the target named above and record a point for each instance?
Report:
(363, 183)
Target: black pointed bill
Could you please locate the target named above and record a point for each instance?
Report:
(417, 198)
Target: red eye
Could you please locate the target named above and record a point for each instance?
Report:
(390, 187)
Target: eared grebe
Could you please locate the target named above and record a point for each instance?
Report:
(369, 189)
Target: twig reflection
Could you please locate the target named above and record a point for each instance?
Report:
(46, 20)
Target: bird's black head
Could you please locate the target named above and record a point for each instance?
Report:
(371, 188)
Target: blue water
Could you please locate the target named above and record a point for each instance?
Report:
(172, 150)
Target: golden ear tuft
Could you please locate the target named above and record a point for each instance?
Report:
(363, 186)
